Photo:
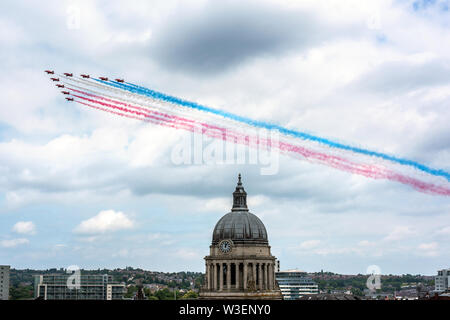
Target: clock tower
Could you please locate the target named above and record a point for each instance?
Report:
(240, 264)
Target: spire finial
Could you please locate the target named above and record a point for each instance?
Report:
(239, 197)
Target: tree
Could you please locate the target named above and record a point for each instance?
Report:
(131, 290)
(164, 294)
(20, 293)
(190, 295)
(357, 292)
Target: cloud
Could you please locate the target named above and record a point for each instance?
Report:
(309, 244)
(11, 243)
(219, 36)
(428, 246)
(105, 221)
(399, 233)
(366, 243)
(24, 227)
(336, 251)
(397, 77)
(317, 66)
(444, 231)
(429, 249)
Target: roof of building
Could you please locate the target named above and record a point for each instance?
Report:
(292, 270)
(325, 296)
(240, 225)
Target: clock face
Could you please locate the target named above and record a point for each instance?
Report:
(225, 246)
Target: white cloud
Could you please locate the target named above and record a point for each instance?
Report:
(309, 244)
(60, 154)
(217, 204)
(24, 227)
(399, 233)
(429, 249)
(333, 251)
(366, 243)
(428, 246)
(105, 221)
(13, 242)
(122, 253)
(444, 231)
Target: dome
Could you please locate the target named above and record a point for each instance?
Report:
(240, 225)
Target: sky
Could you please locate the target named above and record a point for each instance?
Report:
(80, 187)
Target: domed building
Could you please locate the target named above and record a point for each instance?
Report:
(240, 265)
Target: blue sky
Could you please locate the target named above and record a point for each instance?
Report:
(79, 187)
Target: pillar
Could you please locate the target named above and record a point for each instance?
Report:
(254, 272)
(221, 277)
(266, 277)
(211, 276)
(214, 284)
(236, 273)
(245, 275)
(270, 276)
(206, 275)
(228, 275)
(260, 282)
(273, 275)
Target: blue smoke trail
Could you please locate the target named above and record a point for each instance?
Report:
(270, 126)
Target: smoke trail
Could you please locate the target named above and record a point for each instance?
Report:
(270, 126)
(340, 163)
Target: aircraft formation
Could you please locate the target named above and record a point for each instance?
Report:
(70, 75)
(134, 101)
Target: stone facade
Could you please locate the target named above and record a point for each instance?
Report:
(240, 264)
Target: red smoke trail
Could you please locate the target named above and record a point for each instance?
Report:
(177, 118)
(138, 113)
(145, 110)
(163, 123)
(238, 138)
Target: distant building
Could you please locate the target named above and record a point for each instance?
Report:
(92, 287)
(327, 296)
(442, 280)
(294, 284)
(4, 282)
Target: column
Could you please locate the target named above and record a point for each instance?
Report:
(206, 275)
(260, 282)
(221, 277)
(236, 272)
(266, 275)
(273, 275)
(214, 276)
(214, 283)
(228, 275)
(270, 276)
(244, 276)
(254, 272)
(211, 276)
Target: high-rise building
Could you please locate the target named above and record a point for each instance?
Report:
(4, 282)
(240, 264)
(294, 284)
(91, 287)
(442, 281)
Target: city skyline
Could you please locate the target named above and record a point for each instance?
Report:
(79, 187)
